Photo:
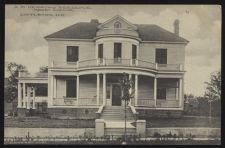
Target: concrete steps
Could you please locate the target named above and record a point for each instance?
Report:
(116, 113)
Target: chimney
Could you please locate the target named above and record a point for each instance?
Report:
(94, 21)
(176, 26)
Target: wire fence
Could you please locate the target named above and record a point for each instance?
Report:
(112, 139)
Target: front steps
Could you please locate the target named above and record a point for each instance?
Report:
(117, 113)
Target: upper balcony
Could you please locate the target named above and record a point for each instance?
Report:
(118, 62)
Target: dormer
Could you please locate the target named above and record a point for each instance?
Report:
(117, 26)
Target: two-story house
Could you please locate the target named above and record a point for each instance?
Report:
(87, 59)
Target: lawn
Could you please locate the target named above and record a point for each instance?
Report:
(82, 123)
(183, 122)
(47, 123)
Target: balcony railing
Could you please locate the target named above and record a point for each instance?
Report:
(100, 62)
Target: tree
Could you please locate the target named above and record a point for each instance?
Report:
(213, 90)
(127, 94)
(11, 88)
(43, 69)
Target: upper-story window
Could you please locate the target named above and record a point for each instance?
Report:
(134, 51)
(161, 56)
(100, 51)
(72, 53)
(117, 50)
(117, 26)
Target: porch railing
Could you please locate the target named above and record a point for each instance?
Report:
(117, 62)
(64, 101)
(73, 101)
(167, 103)
(146, 102)
(159, 103)
(87, 101)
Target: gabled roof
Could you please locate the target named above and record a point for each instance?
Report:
(87, 30)
(118, 17)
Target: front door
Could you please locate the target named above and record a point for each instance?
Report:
(116, 94)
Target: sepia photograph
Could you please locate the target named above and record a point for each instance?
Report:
(112, 74)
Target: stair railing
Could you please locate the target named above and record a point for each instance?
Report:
(99, 112)
(135, 113)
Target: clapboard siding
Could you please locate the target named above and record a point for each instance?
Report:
(175, 52)
(58, 50)
(88, 86)
(170, 94)
(61, 88)
(171, 87)
(145, 87)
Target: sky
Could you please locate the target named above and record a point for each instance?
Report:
(200, 24)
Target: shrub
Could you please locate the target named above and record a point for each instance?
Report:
(156, 134)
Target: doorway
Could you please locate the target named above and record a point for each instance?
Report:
(116, 94)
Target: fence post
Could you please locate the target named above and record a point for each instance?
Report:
(141, 128)
(99, 128)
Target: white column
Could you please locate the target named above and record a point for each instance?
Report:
(78, 89)
(104, 89)
(33, 97)
(54, 89)
(97, 91)
(130, 90)
(19, 95)
(51, 90)
(137, 55)
(28, 97)
(180, 92)
(24, 95)
(136, 89)
(177, 89)
(155, 90)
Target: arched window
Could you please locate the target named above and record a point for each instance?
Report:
(117, 26)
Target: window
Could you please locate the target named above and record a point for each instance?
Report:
(161, 93)
(100, 51)
(134, 51)
(117, 50)
(71, 90)
(117, 27)
(161, 56)
(41, 90)
(72, 53)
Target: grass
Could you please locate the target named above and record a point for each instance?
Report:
(47, 123)
(117, 142)
(82, 123)
(183, 122)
